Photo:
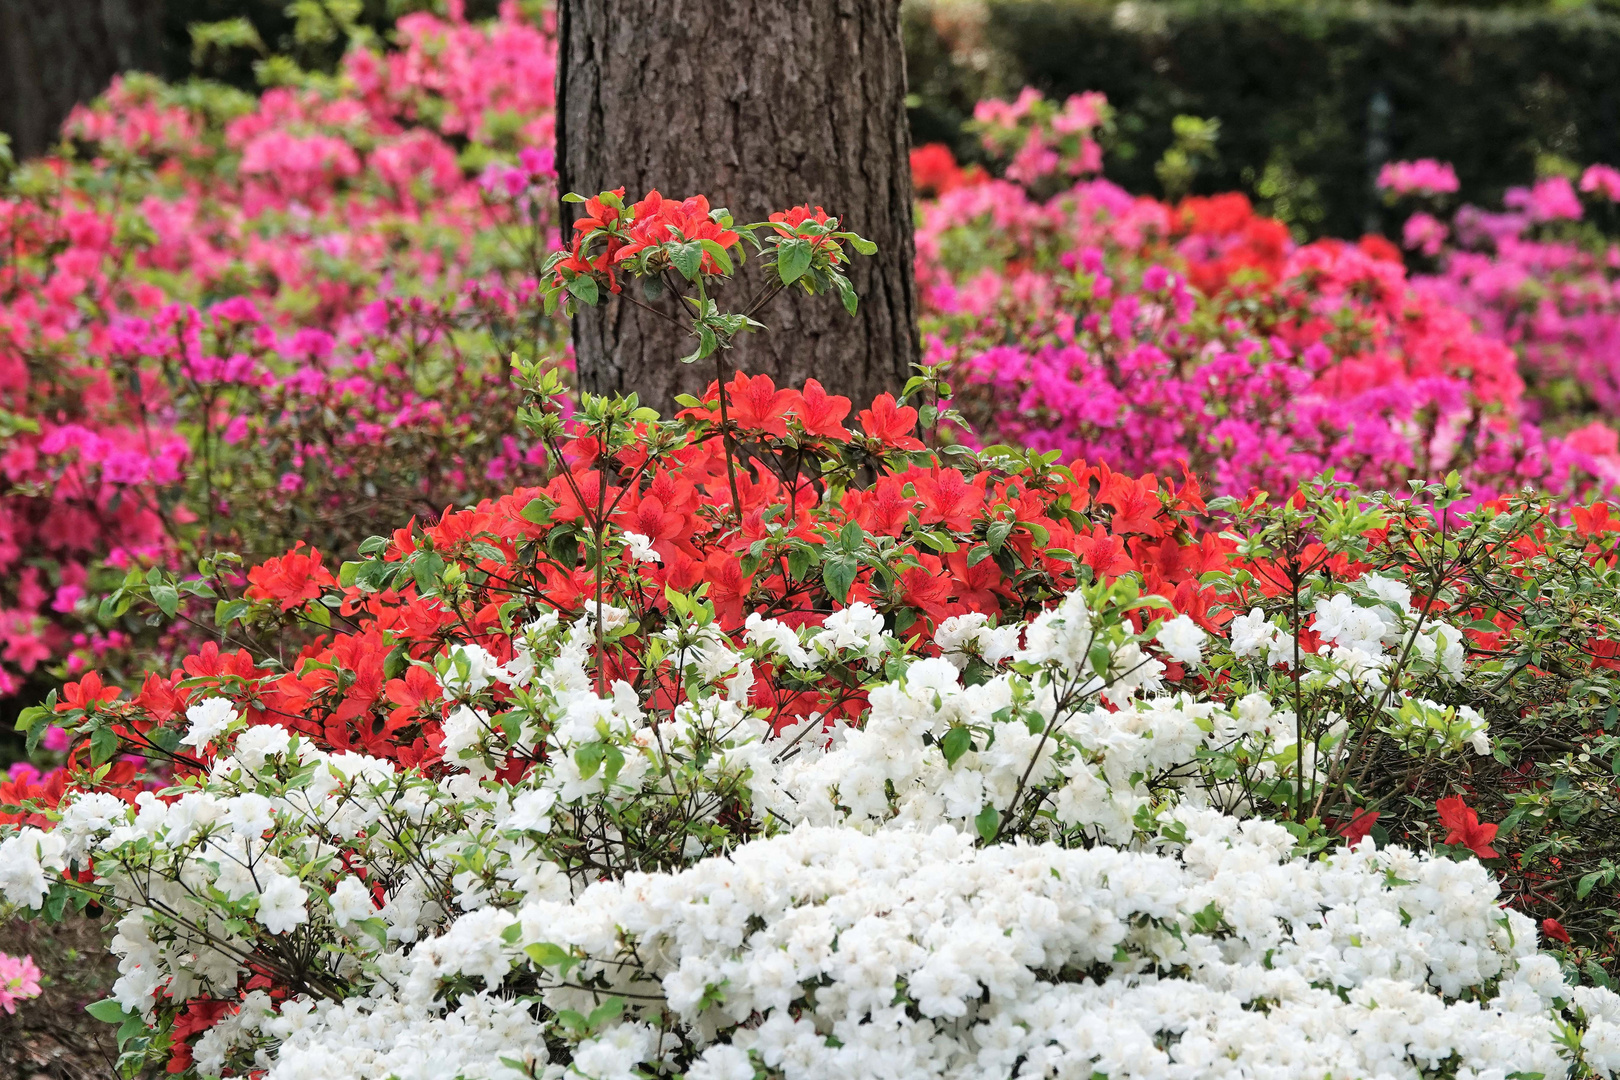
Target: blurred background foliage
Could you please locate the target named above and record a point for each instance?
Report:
(248, 43)
(1295, 102)
(58, 53)
(1311, 98)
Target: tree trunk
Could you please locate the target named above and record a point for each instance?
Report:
(760, 105)
(55, 54)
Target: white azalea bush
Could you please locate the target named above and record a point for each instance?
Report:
(1028, 856)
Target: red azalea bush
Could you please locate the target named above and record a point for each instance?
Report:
(239, 323)
(920, 541)
(759, 500)
(438, 666)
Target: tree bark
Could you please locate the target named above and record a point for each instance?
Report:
(760, 105)
(55, 54)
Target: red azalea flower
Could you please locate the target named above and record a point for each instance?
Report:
(87, 694)
(1135, 502)
(891, 424)
(1465, 827)
(1555, 930)
(598, 214)
(757, 405)
(291, 580)
(948, 499)
(934, 170)
(1359, 825)
(822, 413)
(1104, 552)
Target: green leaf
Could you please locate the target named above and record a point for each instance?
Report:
(957, 741)
(584, 289)
(167, 598)
(589, 758)
(792, 260)
(838, 575)
(107, 1010)
(103, 745)
(721, 259)
(545, 954)
(227, 612)
(611, 1009)
(38, 730)
(376, 928)
(537, 511)
(987, 821)
(426, 569)
(687, 258)
(996, 535)
(31, 716)
(132, 1026)
(846, 291)
(1587, 883)
(613, 758)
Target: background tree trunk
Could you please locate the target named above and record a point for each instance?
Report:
(57, 53)
(761, 105)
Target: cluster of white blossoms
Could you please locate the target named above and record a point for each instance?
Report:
(1365, 626)
(1019, 862)
(825, 953)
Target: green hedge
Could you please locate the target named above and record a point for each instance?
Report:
(1310, 98)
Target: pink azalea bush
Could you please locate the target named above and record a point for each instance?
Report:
(238, 323)
(1121, 328)
(1540, 275)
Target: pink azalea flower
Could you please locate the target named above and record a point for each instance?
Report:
(19, 981)
(1423, 177)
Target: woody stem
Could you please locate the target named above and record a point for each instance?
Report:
(725, 434)
(602, 513)
(725, 415)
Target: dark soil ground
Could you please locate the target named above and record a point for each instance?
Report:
(52, 1037)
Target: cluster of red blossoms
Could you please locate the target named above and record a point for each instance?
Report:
(923, 539)
(641, 233)
(629, 231)
(817, 517)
